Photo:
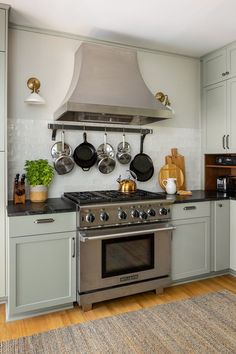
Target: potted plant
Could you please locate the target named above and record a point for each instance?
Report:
(39, 174)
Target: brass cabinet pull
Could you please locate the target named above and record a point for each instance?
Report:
(223, 74)
(227, 73)
(44, 221)
(192, 207)
(220, 205)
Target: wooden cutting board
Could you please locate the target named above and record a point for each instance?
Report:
(171, 171)
(178, 160)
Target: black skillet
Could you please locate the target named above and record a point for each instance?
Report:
(85, 154)
(142, 164)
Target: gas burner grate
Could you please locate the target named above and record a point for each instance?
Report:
(111, 196)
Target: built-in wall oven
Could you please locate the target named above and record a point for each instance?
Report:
(123, 249)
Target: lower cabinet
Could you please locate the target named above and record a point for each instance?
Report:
(191, 240)
(233, 235)
(220, 243)
(41, 272)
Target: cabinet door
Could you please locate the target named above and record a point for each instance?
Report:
(190, 248)
(41, 272)
(2, 100)
(233, 235)
(231, 60)
(214, 67)
(2, 30)
(231, 115)
(221, 235)
(2, 227)
(214, 118)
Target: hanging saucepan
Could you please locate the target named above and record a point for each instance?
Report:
(123, 152)
(142, 164)
(61, 152)
(106, 162)
(85, 154)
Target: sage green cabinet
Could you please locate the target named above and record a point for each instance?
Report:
(219, 123)
(214, 67)
(2, 227)
(219, 65)
(191, 240)
(42, 266)
(2, 99)
(215, 118)
(3, 117)
(220, 225)
(3, 15)
(233, 235)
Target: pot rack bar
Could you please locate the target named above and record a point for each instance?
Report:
(55, 127)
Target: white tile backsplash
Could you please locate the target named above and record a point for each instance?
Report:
(31, 139)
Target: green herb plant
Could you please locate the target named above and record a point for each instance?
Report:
(38, 172)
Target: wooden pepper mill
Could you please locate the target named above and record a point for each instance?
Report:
(19, 190)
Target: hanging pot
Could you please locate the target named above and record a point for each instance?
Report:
(123, 152)
(142, 164)
(106, 162)
(85, 154)
(63, 162)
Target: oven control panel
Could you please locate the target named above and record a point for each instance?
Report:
(120, 214)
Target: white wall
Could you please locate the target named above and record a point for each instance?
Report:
(51, 60)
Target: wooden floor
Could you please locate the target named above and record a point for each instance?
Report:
(43, 323)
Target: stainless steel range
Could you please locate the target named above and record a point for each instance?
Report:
(124, 244)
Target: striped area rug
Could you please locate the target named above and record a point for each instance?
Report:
(204, 324)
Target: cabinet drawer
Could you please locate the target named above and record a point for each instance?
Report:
(190, 210)
(41, 224)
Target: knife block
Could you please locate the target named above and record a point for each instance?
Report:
(19, 193)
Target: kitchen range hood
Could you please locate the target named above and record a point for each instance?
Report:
(107, 87)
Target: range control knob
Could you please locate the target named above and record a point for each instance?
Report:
(90, 218)
(143, 215)
(163, 211)
(122, 215)
(135, 213)
(104, 216)
(151, 212)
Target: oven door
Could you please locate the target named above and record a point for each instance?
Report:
(123, 255)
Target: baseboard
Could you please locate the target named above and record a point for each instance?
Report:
(3, 300)
(35, 313)
(232, 272)
(203, 276)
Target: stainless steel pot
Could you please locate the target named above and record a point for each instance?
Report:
(123, 152)
(63, 162)
(106, 162)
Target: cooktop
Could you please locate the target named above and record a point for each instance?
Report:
(91, 197)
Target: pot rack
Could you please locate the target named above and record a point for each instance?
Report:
(55, 127)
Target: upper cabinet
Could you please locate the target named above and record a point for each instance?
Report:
(219, 101)
(219, 112)
(2, 30)
(214, 67)
(219, 66)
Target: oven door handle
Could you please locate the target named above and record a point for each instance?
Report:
(85, 238)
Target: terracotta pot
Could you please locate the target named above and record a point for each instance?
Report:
(38, 194)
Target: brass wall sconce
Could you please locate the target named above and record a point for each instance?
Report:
(34, 98)
(164, 99)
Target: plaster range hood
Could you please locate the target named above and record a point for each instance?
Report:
(107, 87)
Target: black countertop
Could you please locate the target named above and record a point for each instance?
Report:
(203, 196)
(59, 205)
(52, 205)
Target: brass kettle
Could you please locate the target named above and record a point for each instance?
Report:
(128, 185)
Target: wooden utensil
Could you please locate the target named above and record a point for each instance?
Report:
(171, 171)
(177, 160)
